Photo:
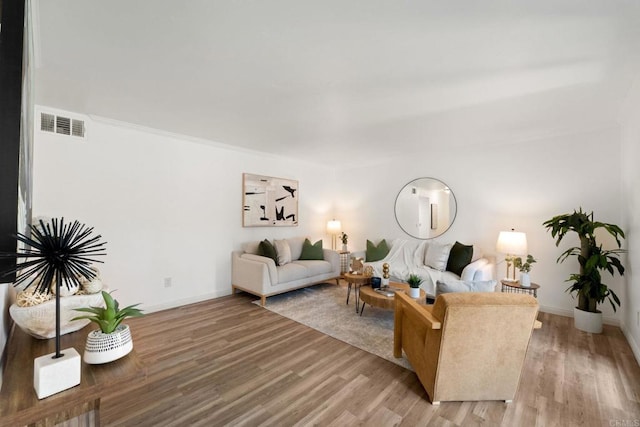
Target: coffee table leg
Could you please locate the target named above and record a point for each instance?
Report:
(356, 290)
(348, 291)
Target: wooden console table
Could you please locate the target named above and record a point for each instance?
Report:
(19, 405)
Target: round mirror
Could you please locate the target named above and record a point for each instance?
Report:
(425, 208)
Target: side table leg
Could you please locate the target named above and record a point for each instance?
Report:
(348, 291)
(356, 290)
(362, 309)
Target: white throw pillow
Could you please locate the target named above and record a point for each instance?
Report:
(437, 255)
(446, 286)
(284, 251)
(470, 270)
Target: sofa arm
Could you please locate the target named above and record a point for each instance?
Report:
(251, 274)
(270, 263)
(333, 258)
(479, 270)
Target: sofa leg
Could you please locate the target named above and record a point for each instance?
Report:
(508, 401)
(436, 403)
(263, 300)
(234, 290)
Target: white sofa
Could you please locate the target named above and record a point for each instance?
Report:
(408, 257)
(260, 276)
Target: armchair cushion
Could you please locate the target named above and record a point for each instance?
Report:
(447, 285)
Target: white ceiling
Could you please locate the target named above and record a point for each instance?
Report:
(329, 79)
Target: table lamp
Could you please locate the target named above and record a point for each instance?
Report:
(511, 243)
(334, 228)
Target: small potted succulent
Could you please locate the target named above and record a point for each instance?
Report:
(414, 282)
(113, 340)
(525, 269)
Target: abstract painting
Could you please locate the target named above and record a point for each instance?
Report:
(269, 201)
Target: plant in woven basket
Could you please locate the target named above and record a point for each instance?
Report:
(109, 317)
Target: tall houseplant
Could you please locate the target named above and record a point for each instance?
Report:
(592, 258)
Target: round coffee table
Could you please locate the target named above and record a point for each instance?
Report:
(355, 280)
(376, 299)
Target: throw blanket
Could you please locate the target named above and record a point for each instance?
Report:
(407, 257)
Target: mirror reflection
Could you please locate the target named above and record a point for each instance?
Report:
(425, 208)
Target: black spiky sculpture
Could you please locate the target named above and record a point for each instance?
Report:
(56, 251)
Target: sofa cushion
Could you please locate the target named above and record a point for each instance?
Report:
(251, 248)
(312, 251)
(447, 286)
(437, 255)
(315, 267)
(265, 248)
(459, 257)
(290, 272)
(376, 252)
(283, 251)
(295, 244)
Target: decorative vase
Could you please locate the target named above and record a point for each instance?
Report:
(525, 280)
(414, 292)
(587, 321)
(104, 348)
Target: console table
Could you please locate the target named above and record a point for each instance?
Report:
(19, 405)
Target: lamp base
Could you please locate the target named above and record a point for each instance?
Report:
(51, 376)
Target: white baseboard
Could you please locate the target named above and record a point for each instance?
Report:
(185, 301)
(607, 320)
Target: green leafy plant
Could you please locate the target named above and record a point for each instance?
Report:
(524, 267)
(593, 259)
(109, 317)
(414, 281)
(344, 238)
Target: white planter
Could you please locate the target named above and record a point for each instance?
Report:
(104, 348)
(587, 321)
(525, 280)
(414, 292)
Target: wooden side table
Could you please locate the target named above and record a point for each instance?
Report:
(508, 286)
(355, 281)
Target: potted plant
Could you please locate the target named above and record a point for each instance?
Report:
(344, 239)
(593, 259)
(414, 282)
(113, 340)
(525, 269)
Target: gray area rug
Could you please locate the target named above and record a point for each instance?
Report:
(323, 308)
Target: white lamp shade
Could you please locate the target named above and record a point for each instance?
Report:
(334, 227)
(512, 243)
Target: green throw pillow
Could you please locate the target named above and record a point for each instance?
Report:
(459, 257)
(376, 253)
(265, 248)
(312, 252)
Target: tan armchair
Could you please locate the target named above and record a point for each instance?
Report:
(468, 345)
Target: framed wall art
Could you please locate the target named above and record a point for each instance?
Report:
(269, 201)
(434, 216)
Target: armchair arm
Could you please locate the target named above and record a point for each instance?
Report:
(409, 309)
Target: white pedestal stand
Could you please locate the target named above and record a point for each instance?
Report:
(51, 376)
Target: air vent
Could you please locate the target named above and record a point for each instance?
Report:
(62, 125)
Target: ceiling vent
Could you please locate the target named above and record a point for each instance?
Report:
(62, 125)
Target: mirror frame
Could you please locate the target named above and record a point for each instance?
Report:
(440, 230)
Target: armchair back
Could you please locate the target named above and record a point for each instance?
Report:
(467, 346)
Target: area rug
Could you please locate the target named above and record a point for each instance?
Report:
(323, 307)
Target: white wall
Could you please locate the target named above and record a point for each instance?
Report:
(167, 207)
(498, 188)
(631, 207)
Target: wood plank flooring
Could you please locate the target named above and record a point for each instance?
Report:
(229, 362)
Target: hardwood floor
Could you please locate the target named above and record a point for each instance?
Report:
(230, 362)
